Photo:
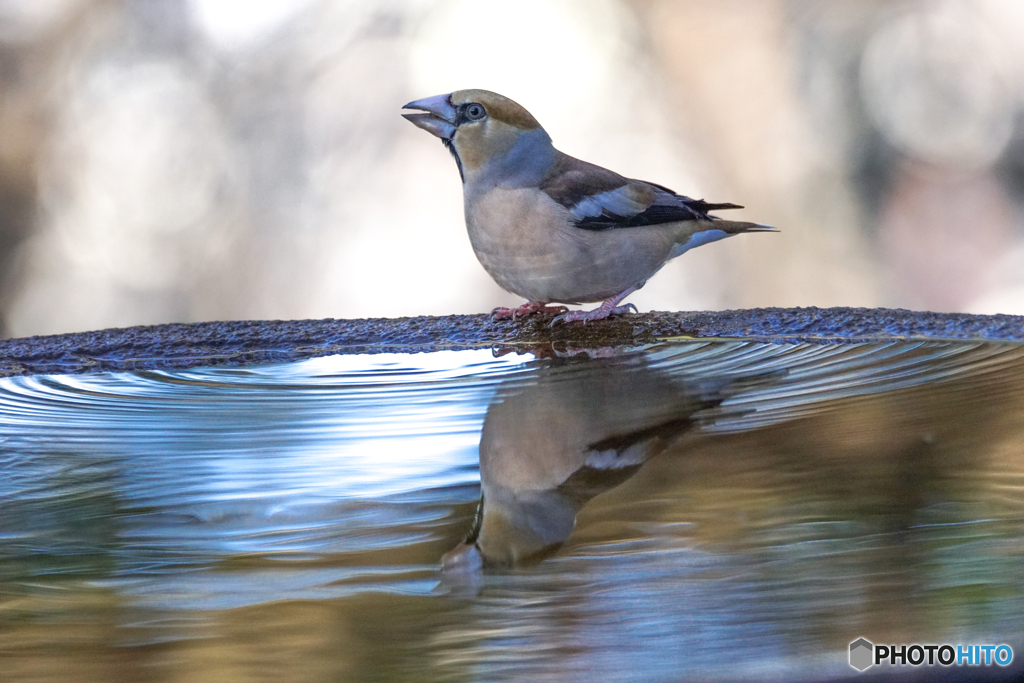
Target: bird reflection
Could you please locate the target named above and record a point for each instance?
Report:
(580, 426)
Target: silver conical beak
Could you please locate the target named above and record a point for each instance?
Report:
(439, 119)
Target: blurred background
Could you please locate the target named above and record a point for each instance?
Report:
(175, 161)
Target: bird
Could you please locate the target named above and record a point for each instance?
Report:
(579, 424)
(554, 229)
(602, 418)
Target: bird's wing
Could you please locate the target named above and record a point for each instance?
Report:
(599, 199)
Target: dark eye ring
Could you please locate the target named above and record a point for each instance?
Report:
(475, 111)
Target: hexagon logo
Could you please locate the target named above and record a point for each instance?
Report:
(861, 654)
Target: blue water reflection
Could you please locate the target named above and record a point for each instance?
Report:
(715, 509)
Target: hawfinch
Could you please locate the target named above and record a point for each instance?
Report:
(603, 419)
(552, 228)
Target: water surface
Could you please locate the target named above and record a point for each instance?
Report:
(729, 510)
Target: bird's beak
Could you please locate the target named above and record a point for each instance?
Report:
(440, 116)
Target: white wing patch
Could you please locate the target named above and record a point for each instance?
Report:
(618, 202)
(698, 239)
(611, 459)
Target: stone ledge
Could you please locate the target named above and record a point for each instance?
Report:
(177, 346)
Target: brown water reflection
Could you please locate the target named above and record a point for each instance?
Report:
(726, 511)
(550, 446)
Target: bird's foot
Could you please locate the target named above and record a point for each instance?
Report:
(600, 313)
(527, 309)
(608, 308)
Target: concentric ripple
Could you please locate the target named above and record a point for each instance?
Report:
(803, 491)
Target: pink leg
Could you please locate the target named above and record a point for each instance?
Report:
(607, 309)
(527, 309)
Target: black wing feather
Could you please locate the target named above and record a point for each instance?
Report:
(572, 182)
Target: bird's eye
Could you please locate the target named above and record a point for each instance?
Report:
(475, 111)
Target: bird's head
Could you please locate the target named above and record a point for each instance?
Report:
(485, 131)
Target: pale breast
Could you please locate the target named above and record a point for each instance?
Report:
(527, 243)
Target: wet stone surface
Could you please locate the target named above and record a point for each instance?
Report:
(238, 343)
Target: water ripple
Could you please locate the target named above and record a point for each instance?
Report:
(779, 496)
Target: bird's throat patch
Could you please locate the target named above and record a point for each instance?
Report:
(458, 162)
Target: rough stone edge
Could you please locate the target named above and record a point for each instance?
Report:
(236, 343)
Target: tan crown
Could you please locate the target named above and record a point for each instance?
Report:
(498, 107)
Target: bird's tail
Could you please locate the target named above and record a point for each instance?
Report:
(727, 226)
(736, 227)
(696, 233)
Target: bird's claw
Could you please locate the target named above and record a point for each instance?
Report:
(598, 313)
(526, 310)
